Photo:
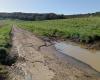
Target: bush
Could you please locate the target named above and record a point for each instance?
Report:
(3, 55)
(5, 58)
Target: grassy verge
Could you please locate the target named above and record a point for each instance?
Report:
(4, 49)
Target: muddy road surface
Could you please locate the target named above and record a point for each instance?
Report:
(36, 60)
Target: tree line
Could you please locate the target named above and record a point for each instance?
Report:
(83, 15)
(31, 16)
(45, 16)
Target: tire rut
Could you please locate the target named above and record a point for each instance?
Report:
(30, 64)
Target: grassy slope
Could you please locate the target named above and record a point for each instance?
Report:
(83, 29)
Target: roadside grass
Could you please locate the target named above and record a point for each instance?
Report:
(4, 36)
(85, 30)
(4, 48)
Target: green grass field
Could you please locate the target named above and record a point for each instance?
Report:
(83, 29)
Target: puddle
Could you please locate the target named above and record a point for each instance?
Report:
(92, 58)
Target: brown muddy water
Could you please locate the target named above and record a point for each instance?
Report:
(92, 58)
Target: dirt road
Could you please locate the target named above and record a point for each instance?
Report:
(40, 63)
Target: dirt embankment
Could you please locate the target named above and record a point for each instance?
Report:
(36, 60)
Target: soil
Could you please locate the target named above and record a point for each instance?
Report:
(38, 60)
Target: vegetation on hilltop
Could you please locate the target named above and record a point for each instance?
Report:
(43, 16)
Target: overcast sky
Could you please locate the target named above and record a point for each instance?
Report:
(46, 6)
